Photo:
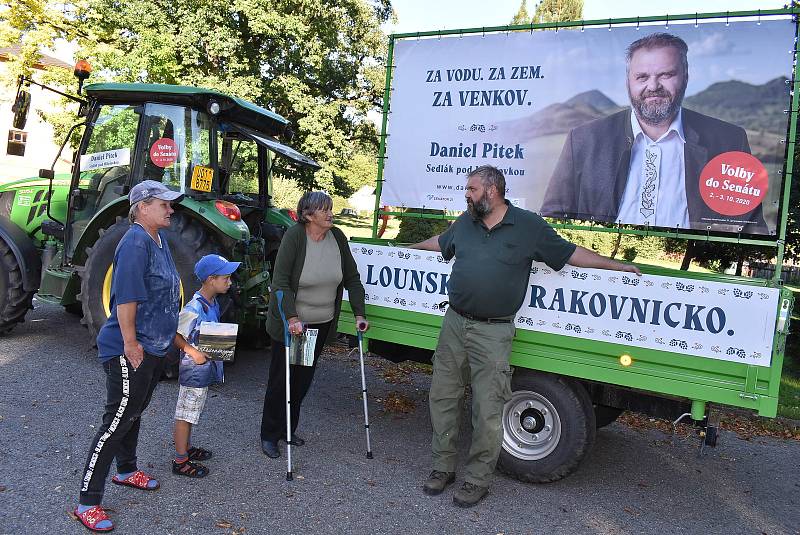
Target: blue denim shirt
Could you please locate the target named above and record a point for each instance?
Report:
(144, 273)
(195, 312)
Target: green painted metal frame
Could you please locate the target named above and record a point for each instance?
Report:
(697, 379)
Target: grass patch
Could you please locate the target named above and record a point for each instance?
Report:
(667, 262)
(355, 226)
(789, 397)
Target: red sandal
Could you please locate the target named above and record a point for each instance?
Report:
(137, 480)
(93, 516)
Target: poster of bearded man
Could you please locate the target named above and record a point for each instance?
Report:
(679, 128)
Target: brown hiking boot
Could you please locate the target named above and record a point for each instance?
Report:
(437, 481)
(469, 494)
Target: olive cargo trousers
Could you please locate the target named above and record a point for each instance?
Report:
(470, 352)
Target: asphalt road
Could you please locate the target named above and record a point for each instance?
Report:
(51, 397)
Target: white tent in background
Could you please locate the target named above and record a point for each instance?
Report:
(363, 200)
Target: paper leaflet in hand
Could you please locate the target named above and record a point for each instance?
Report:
(218, 340)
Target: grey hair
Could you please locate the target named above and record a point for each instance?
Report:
(659, 40)
(133, 211)
(310, 202)
(490, 176)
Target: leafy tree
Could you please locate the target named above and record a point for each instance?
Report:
(319, 63)
(549, 11)
(522, 16)
(558, 11)
(417, 229)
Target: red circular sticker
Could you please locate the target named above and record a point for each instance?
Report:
(733, 183)
(164, 152)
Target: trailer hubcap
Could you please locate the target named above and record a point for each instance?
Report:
(531, 426)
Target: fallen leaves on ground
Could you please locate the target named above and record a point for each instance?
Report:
(746, 427)
(396, 375)
(642, 422)
(749, 427)
(398, 403)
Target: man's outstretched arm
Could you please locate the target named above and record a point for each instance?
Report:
(583, 257)
(431, 244)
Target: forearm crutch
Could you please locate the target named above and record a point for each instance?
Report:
(360, 334)
(287, 339)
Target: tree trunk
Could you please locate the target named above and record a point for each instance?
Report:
(615, 250)
(688, 255)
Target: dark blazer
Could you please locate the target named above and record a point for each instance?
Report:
(286, 277)
(590, 176)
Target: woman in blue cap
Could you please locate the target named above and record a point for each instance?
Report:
(145, 301)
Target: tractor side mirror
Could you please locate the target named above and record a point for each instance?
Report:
(49, 174)
(21, 107)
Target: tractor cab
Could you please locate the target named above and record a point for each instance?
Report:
(205, 144)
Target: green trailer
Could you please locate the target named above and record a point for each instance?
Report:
(568, 382)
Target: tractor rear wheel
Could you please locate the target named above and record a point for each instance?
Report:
(14, 300)
(187, 240)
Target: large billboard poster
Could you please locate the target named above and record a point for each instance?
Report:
(678, 127)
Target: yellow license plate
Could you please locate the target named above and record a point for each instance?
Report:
(202, 177)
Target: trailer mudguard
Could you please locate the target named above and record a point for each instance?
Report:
(25, 251)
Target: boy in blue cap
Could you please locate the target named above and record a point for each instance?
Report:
(196, 372)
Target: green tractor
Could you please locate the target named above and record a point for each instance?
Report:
(58, 234)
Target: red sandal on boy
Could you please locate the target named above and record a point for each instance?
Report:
(93, 516)
(137, 480)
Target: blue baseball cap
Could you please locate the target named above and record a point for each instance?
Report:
(214, 264)
(150, 188)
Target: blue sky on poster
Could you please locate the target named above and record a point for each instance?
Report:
(574, 62)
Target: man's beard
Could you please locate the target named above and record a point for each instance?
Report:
(479, 209)
(657, 113)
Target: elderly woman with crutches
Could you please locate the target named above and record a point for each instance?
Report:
(313, 267)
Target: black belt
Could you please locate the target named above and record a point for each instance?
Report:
(473, 317)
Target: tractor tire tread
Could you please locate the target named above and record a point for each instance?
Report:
(17, 300)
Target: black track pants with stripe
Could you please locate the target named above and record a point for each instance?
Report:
(128, 393)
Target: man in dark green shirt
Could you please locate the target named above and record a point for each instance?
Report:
(493, 244)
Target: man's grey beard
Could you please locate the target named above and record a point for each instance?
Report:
(480, 209)
(657, 114)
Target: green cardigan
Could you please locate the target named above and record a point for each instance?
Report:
(286, 277)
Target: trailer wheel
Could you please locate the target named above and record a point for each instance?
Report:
(14, 300)
(188, 241)
(548, 427)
